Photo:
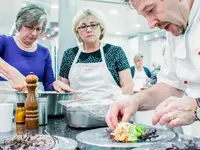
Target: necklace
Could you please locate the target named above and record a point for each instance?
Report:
(31, 48)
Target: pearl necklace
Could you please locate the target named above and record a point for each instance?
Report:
(21, 46)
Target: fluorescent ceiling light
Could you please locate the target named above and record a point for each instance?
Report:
(137, 25)
(118, 33)
(56, 29)
(54, 6)
(10, 33)
(113, 12)
(43, 38)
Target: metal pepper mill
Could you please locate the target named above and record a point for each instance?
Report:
(31, 117)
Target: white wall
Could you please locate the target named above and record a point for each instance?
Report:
(121, 41)
(137, 45)
(151, 50)
(144, 49)
(133, 48)
(156, 50)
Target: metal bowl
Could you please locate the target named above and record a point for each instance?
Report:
(54, 108)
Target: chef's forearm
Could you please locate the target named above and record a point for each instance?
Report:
(151, 98)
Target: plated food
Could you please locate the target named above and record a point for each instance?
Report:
(127, 132)
(102, 138)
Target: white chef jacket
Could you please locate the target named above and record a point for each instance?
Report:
(181, 68)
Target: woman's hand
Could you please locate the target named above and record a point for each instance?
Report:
(17, 81)
(60, 86)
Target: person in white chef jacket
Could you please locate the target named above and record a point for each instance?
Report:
(94, 69)
(180, 73)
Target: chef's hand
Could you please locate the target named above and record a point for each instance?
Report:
(60, 86)
(123, 109)
(175, 111)
(18, 81)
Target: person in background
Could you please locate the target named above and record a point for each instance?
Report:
(156, 69)
(180, 71)
(93, 68)
(20, 54)
(140, 74)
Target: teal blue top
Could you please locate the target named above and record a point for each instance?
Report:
(115, 58)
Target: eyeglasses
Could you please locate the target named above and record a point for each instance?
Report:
(30, 29)
(92, 26)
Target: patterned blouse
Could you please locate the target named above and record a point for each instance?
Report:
(115, 58)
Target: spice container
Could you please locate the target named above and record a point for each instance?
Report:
(20, 129)
(20, 113)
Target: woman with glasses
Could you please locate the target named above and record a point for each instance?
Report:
(20, 54)
(93, 68)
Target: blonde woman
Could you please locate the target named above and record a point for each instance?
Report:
(93, 68)
(140, 74)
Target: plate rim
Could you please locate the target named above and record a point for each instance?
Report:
(118, 144)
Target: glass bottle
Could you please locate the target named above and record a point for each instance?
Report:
(20, 113)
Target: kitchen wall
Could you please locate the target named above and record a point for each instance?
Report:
(133, 48)
(156, 51)
(151, 50)
(118, 40)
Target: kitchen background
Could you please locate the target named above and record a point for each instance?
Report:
(124, 27)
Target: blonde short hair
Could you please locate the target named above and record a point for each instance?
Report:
(81, 15)
(137, 57)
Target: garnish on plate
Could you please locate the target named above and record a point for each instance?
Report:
(28, 141)
(127, 132)
(190, 146)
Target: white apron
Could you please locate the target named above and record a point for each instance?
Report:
(139, 80)
(92, 80)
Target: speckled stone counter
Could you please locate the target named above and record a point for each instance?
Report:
(57, 126)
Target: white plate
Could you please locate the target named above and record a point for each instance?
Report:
(101, 138)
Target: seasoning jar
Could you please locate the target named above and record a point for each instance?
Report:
(20, 113)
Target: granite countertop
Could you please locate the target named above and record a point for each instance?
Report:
(58, 127)
(55, 126)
